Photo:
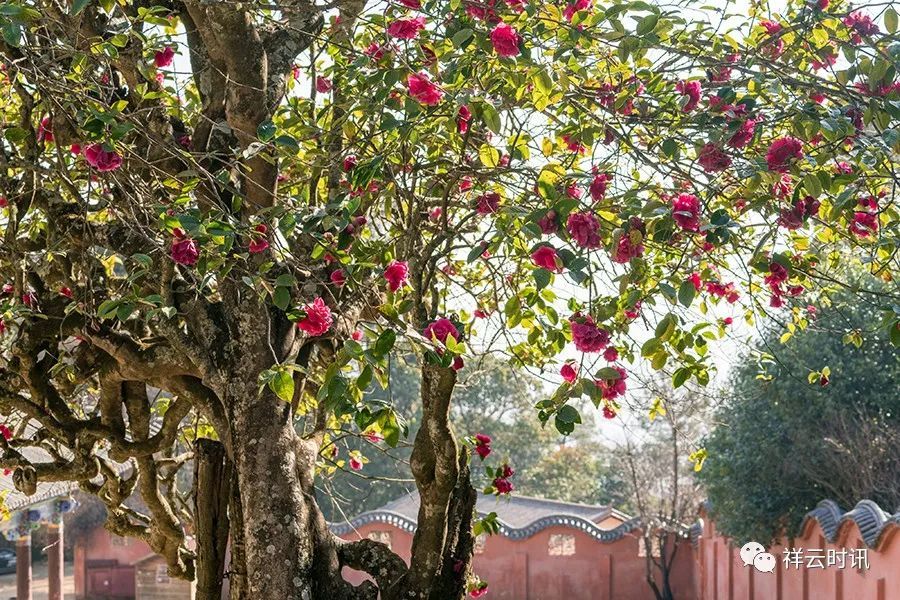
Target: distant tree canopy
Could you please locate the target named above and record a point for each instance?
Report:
(816, 417)
(493, 400)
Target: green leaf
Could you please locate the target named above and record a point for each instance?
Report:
(647, 24)
(461, 37)
(385, 342)
(890, 19)
(281, 297)
(15, 134)
(686, 293)
(541, 278)
(491, 117)
(489, 156)
(680, 376)
(283, 384)
(568, 414)
(608, 373)
(265, 131)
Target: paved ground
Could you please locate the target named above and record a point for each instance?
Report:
(38, 584)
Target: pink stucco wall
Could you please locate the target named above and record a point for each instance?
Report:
(721, 575)
(524, 570)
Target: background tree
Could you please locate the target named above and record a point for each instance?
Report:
(656, 463)
(811, 416)
(491, 399)
(461, 176)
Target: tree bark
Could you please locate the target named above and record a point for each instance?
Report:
(212, 493)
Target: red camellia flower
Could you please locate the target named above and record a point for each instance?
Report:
(66, 291)
(626, 249)
(258, 241)
(611, 354)
(317, 319)
(613, 388)
(75, 149)
(568, 372)
(323, 85)
(413, 4)
(547, 258)
(482, 445)
(440, 329)
(744, 134)
(503, 485)
(608, 412)
(598, 186)
(355, 463)
(423, 89)
(782, 151)
(6, 432)
(396, 274)
(3, 202)
(713, 159)
(861, 24)
(584, 228)
(406, 29)
(102, 159)
(349, 163)
(574, 7)
(45, 130)
(505, 40)
(338, 277)
(164, 57)
(2, 327)
(480, 591)
(691, 91)
(488, 203)
(184, 249)
(586, 335)
(686, 212)
(462, 119)
(548, 223)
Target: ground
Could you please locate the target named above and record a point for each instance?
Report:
(39, 583)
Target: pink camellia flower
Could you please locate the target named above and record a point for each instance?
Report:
(462, 119)
(357, 335)
(713, 159)
(503, 485)
(573, 144)
(440, 329)
(457, 363)
(864, 224)
(396, 274)
(686, 212)
(75, 149)
(406, 29)
(465, 184)
(611, 354)
(505, 40)
(317, 319)
(29, 299)
(598, 186)
(609, 412)
(45, 130)
(349, 163)
(586, 335)
(727, 321)
(164, 57)
(861, 24)
(355, 463)
(423, 90)
(626, 249)
(574, 7)
(695, 280)
(584, 228)
(479, 591)
(482, 445)
(573, 191)
(413, 4)
(548, 223)
(338, 277)
(258, 242)
(782, 151)
(691, 91)
(613, 388)
(184, 250)
(568, 372)
(101, 159)
(6, 432)
(744, 134)
(323, 85)
(546, 257)
(488, 203)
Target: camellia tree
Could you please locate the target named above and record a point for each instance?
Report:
(220, 218)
